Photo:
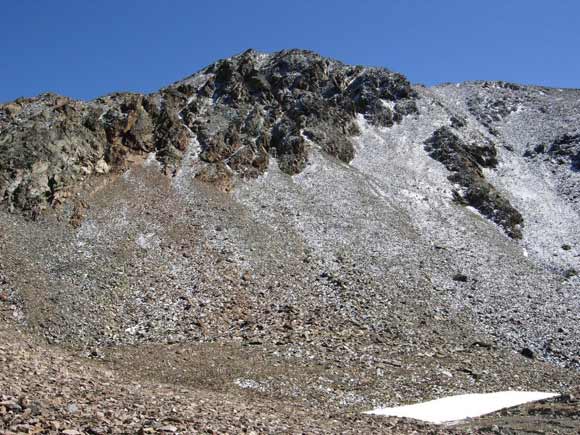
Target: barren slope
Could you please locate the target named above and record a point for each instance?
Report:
(330, 235)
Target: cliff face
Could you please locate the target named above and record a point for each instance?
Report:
(318, 212)
(240, 110)
(50, 145)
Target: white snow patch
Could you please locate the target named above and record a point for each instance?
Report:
(186, 171)
(261, 59)
(388, 104)
(127, 175)
(196, 80)
(146, 241)
(151, 160)
(249, 384)
(454, 408)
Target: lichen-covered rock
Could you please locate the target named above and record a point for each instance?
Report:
(45, 148)
(50, 145)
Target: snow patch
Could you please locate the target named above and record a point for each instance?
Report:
(151, 160)
(454, 408)
(388, 104)
(146, 241)
(186, 171)
(249, 384)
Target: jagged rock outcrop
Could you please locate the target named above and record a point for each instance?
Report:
(252, 107)
(50, 145)
(245, 110)
(465, 161)
(564, 149)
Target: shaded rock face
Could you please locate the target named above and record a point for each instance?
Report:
(465, 161)
(253, 107)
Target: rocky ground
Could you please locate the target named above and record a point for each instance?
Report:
(280, 242)
(51, 391)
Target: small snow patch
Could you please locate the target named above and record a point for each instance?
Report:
(249, 384)
(146, 241)
(463, 406)
(151, 160)
(388, 104)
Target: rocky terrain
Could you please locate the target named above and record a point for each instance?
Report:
(281, 241)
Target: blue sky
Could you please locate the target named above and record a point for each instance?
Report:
(84, 49)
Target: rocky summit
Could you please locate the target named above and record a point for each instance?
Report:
(281, 242)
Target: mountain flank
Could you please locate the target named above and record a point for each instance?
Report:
(296, 238)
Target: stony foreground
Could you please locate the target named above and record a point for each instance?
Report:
(46, 390)
(51, 391)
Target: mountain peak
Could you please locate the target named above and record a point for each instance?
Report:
(240, 110)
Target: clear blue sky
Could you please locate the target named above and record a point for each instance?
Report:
(88, 48)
